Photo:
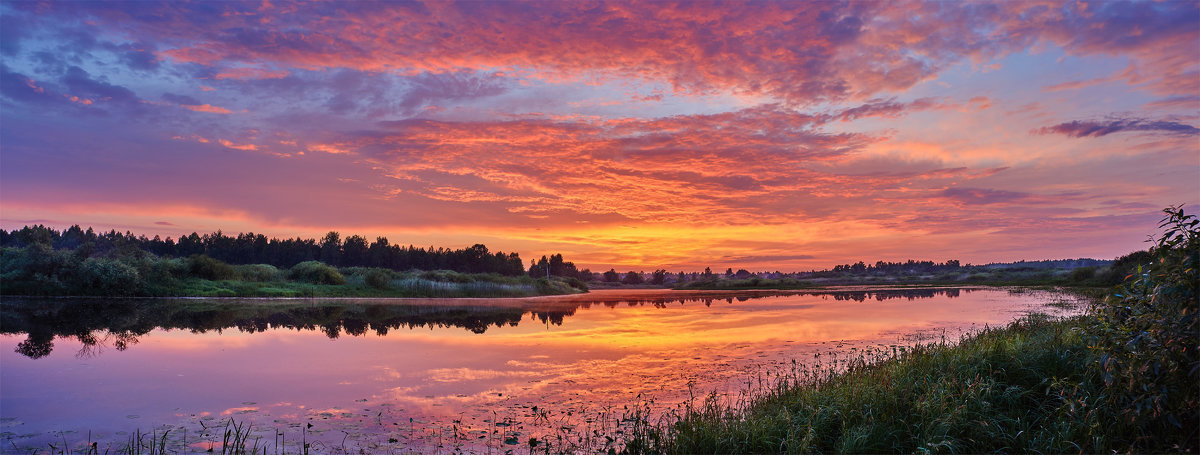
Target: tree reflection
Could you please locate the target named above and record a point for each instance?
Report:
(36, 347)
(100, 323)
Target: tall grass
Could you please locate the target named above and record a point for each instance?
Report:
(1125, 377)
(424, 287)
(1017, 389)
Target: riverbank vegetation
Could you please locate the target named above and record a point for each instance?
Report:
(251, 248)
(38, 270)
(1120, 378)
(40, 261)
(1069, 272)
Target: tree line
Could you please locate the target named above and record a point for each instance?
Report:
(251, 248)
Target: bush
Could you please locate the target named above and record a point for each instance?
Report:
(262, 273)
(316, 272)
(445, 276)
(1146, 336)
(202, 266)
(36, 269)
(1082, 274)
(108, 277)
(378, 279)
(632, 278)
(576, 283)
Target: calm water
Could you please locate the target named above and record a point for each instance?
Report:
(430, 375)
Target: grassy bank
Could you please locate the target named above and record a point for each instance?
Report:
(1121, 378)
(369, 282)
(1023, 388)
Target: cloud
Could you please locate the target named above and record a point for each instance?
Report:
(427, 88)
(796, 54)
(513, 116)
(250, 73)
(1075, 85)
(889, 108)
(79, 84)
(12, 31)
(695, 169)
(1191, 102)
(19, 87)
(245, 147)
(206, 108)
(765, 258)
(976, 196)
(1099, 128)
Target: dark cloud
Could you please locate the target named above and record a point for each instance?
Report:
(19, 87)
(139, 56)
(1098, 128)
(79, 83)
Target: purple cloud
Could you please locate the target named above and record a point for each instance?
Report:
(1098, 128)
(80, 83)
(885, 108)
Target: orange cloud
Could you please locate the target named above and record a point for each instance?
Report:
(327, 148)
(248, 147)
(206, 108)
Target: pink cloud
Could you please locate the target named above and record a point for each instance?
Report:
(251, 73)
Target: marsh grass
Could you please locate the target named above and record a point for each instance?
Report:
(236, 438)
(1121, 378)
(1022, 388)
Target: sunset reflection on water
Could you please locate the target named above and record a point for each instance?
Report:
(358, 371)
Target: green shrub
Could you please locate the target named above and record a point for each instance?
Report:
(108, 277)
(576, 283)
(1082, 274)
(37, 269)
(378, 279)
(445, 276)
(316, 272)
(262, 273)
(202, 266)
(1146, 334)
(1109, 276)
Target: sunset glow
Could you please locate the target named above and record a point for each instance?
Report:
(635, 135)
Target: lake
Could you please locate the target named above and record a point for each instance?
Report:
(429, 375)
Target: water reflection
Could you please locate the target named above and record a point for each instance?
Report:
(98, 324)
(407, 375)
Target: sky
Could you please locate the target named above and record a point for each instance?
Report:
(635, 135)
